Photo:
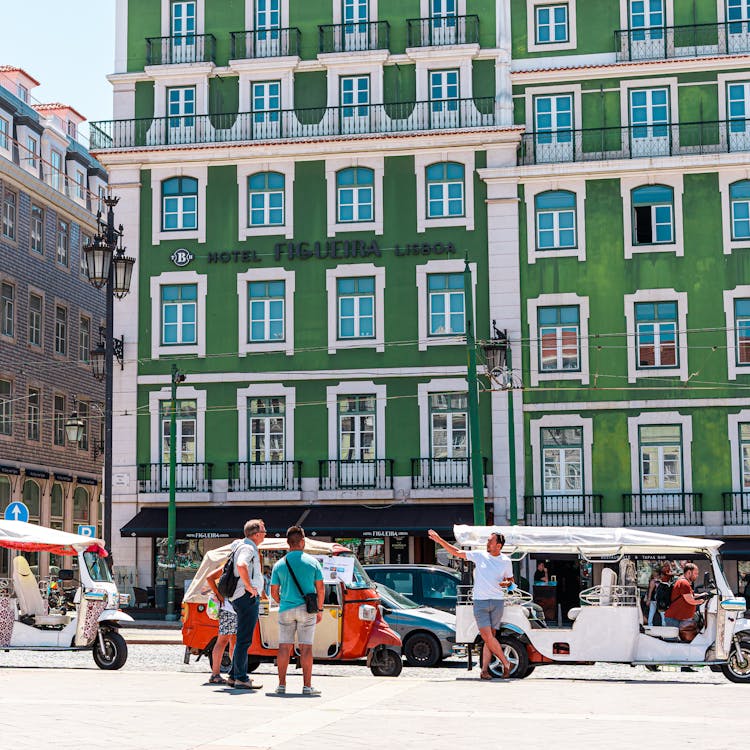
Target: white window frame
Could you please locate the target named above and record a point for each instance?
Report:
(265, 390)
(158, 175)
(657, 295)
(730, 296)
(532, 45)
(166, 17)
(424, 391)
(178, 278)
(372, 9)
(627, 185)
(423, 311)
(246, 170)
(733, 429)
(668, 13)
(558, 300)
(184, 393)
(358, 388)
(638, 84)
(250, 15)
(244, 347)
(423, 160)
(333, 166)
(728, 177)
(349, 271)
(7, 133)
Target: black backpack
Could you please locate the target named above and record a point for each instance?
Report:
(227, 582)
(663, 595)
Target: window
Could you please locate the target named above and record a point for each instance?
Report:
(444, 90)
(58, 429)
(4, 133)
(32, 146)
(6, 408)
(179, 323)
(559, 337)
(356, 305)
(81, 505)
(646, 14)
(555, 220)
(266, 199)
(445, 190)
(356, 427)
(660, 449)
(449, 436)
(738, 10)
(80, 185)
(83, 267)
(445, 294)
(36, 304)
(61, 331)
(739, 199)
(649, 122)
(83, 414)
(186, 422)
(266, 310)
(33, 400)
(266, 101)
(354, 96)
(63, 243)
(72, 129)
(55, 176)
(7, 309)
(37, 229)
(267, 14)
(656, 334)
(183, 31)
(84, 340)
(653, 215)
(744, 430)
(354, 195)
(742, 328)
(551, 23)
(179, 204)
(562, 460)
(553, 126)
(22, 93)
(181, 107)
(9, 215)
(267, 428)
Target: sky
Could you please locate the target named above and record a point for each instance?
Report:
(66, 45)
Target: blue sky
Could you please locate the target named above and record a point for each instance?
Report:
(68, 46)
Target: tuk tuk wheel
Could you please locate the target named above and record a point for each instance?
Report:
(226, 659)
(515, 653)
(115, 652)
(733, 670)
(387, 664)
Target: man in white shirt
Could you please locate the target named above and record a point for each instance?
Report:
(493, 573)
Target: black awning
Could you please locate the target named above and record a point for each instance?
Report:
(736, 548)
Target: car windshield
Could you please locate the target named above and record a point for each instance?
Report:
(393, 599)
(97, 567)
(360, 579)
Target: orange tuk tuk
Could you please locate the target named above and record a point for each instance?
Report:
(352, 626)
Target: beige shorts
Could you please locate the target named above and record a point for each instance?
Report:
(297, 621)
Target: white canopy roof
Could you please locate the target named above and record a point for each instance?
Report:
(32, 538)
(590, 541)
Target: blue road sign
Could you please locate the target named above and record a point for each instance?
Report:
(17, 512)
(87, 530)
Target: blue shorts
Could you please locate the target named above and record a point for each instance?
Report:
(488, 613)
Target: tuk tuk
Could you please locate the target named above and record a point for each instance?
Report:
(44, 615)
(608, 624)
(352, 626)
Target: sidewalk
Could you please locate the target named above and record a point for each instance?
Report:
(153, 632)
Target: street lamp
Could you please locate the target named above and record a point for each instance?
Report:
(107, 265)
(74, 427)
(177, 378)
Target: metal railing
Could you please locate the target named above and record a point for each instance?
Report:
(662, 509)
(247, 45)
(612, 595)
(317, 122)
(254, 476)
(189, 477)
(184, 48)
(736, 508)
(563, 510)
(439, 31)
(695, 40)
(343, 474)
(635, 142)
(356, 36)
(428, 473)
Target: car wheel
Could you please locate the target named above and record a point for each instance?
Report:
(515, 653)
(422, 650)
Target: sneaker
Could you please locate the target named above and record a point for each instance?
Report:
(310, 690)
(250, 685)
(280, 690)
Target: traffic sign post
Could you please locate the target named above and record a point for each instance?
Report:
(17, 511)
(84, 530)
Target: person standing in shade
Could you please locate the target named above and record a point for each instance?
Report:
(493, 573)
(246, 599)
(294, 619)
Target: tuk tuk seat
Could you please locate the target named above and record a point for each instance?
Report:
(573, 612)
(664, 632)
(30, 602)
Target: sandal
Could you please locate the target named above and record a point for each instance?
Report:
(485, 675)
(506, 671)
(217, 679)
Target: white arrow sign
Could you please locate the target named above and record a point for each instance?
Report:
(17, 512)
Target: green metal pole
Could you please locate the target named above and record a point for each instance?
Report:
(512, 499)
(172, 512)
(477, 473)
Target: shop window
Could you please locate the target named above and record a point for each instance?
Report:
(81, 511)
(32, 499)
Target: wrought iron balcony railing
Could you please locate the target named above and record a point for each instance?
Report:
(635, 142)
(736, 508)
(248, 45)
(433, 473)
(186, 48)
(355, 36)
(256, 476)
(563, 510)
(696, 40)
(319, 122)
(440, 31)
(365, 474)
(189, 477)
(663, 509)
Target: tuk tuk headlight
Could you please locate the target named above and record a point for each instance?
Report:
(124, 600)
(367, 612)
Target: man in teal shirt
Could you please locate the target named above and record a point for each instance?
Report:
(294, 619)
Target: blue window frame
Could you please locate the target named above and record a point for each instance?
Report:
(183, 22)
(446, 304)
(355, 195)
(181, 106)
(445, 190)
(559, 338)
(179, 308)
(267, 19)
(738, 11)
(738, 100)
(355, 96)
(179, 204)
(656, 334)
(356, 298)
(266, 311)
(553, 119)
(551, 24)
(739, 201)
(265, 199)
(649, 113)
(646, 14)
(555, 220)
(742, 327)
(444, 90)
(266, 101)
(653, 215)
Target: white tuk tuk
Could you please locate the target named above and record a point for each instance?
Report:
(42, 615)
(608, 625)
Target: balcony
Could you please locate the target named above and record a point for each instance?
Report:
(434, 473)
(291, 124)
(188, 48)
(736, 508)
(357, 36)
(189, 477)
(698, 40)
(365, 474)
(258, 476)
(635, 142)
(663, 509)
(563, 510)
(441, 31)
(251, 45)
